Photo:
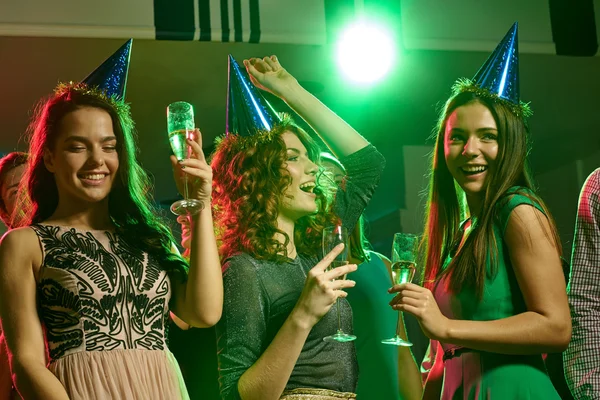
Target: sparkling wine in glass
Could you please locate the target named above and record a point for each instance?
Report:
(332, 236)
(181, 127)
(404, 250)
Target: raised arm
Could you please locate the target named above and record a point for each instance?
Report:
(246, 371)
(199, 301)
(19, 254)
(582, 360)
(269, 75)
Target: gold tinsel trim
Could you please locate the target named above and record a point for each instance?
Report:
(315, 394)
(239, 143)
(462, 85)
(82, 88)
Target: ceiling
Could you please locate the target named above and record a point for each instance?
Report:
(564, 91)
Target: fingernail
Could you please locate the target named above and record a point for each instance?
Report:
(179, 161)
(183, 167)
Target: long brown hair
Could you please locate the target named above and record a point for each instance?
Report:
(446, 206)
(249, 182)
(130, 204)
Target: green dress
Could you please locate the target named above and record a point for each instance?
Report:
(473, 374)
(373, 320)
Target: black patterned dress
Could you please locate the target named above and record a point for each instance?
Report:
(105, 307)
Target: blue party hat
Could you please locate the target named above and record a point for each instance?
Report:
(111, 76)
(248, 112)
(498, 77)
(500, 73)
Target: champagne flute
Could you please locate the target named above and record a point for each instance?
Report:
(180, 124)
(332, 236)
(404, 250)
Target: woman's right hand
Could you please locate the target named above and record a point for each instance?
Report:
(322, 288)
(267, 74)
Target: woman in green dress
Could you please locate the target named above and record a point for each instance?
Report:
(494, 294)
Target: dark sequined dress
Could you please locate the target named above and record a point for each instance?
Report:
(260, 294)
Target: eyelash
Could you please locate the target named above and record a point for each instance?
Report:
(81, 148)
(487, 136)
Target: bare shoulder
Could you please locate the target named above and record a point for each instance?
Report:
(529, 231)
(381, 257)
(22, 237)
(20, 247)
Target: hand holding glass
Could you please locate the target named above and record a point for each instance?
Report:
(181, 127)
(332, 236)
(404, 250)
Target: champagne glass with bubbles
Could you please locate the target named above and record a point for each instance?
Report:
(404, 251)
(332, 236)
(181, 127)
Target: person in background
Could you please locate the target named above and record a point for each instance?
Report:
(373, 319)
(12, 167)
(581, 360)
(194, 348)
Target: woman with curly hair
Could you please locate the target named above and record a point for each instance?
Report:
(95, 269)
(271, 213)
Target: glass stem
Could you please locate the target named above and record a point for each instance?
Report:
(398, 324)
(185, 186)
(337, 306)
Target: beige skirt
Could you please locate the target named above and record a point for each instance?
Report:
(315, 394)
(120, 374)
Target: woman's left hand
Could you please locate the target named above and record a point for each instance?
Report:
(419, 301)
(197, 171)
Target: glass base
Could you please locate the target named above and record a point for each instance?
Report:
(340, 336)
(187, 207)
(397, 341)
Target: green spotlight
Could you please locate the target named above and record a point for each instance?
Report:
(365, 52)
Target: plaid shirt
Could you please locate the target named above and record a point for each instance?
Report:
(582, 357)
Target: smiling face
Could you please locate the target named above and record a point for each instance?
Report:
(471, 147)
(84, 159)
(299, 199)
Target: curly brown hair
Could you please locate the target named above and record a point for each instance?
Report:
(249, 182)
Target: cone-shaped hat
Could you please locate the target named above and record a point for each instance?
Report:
(248, 112)
(500, 73)
(498, 77)
(111, 76)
